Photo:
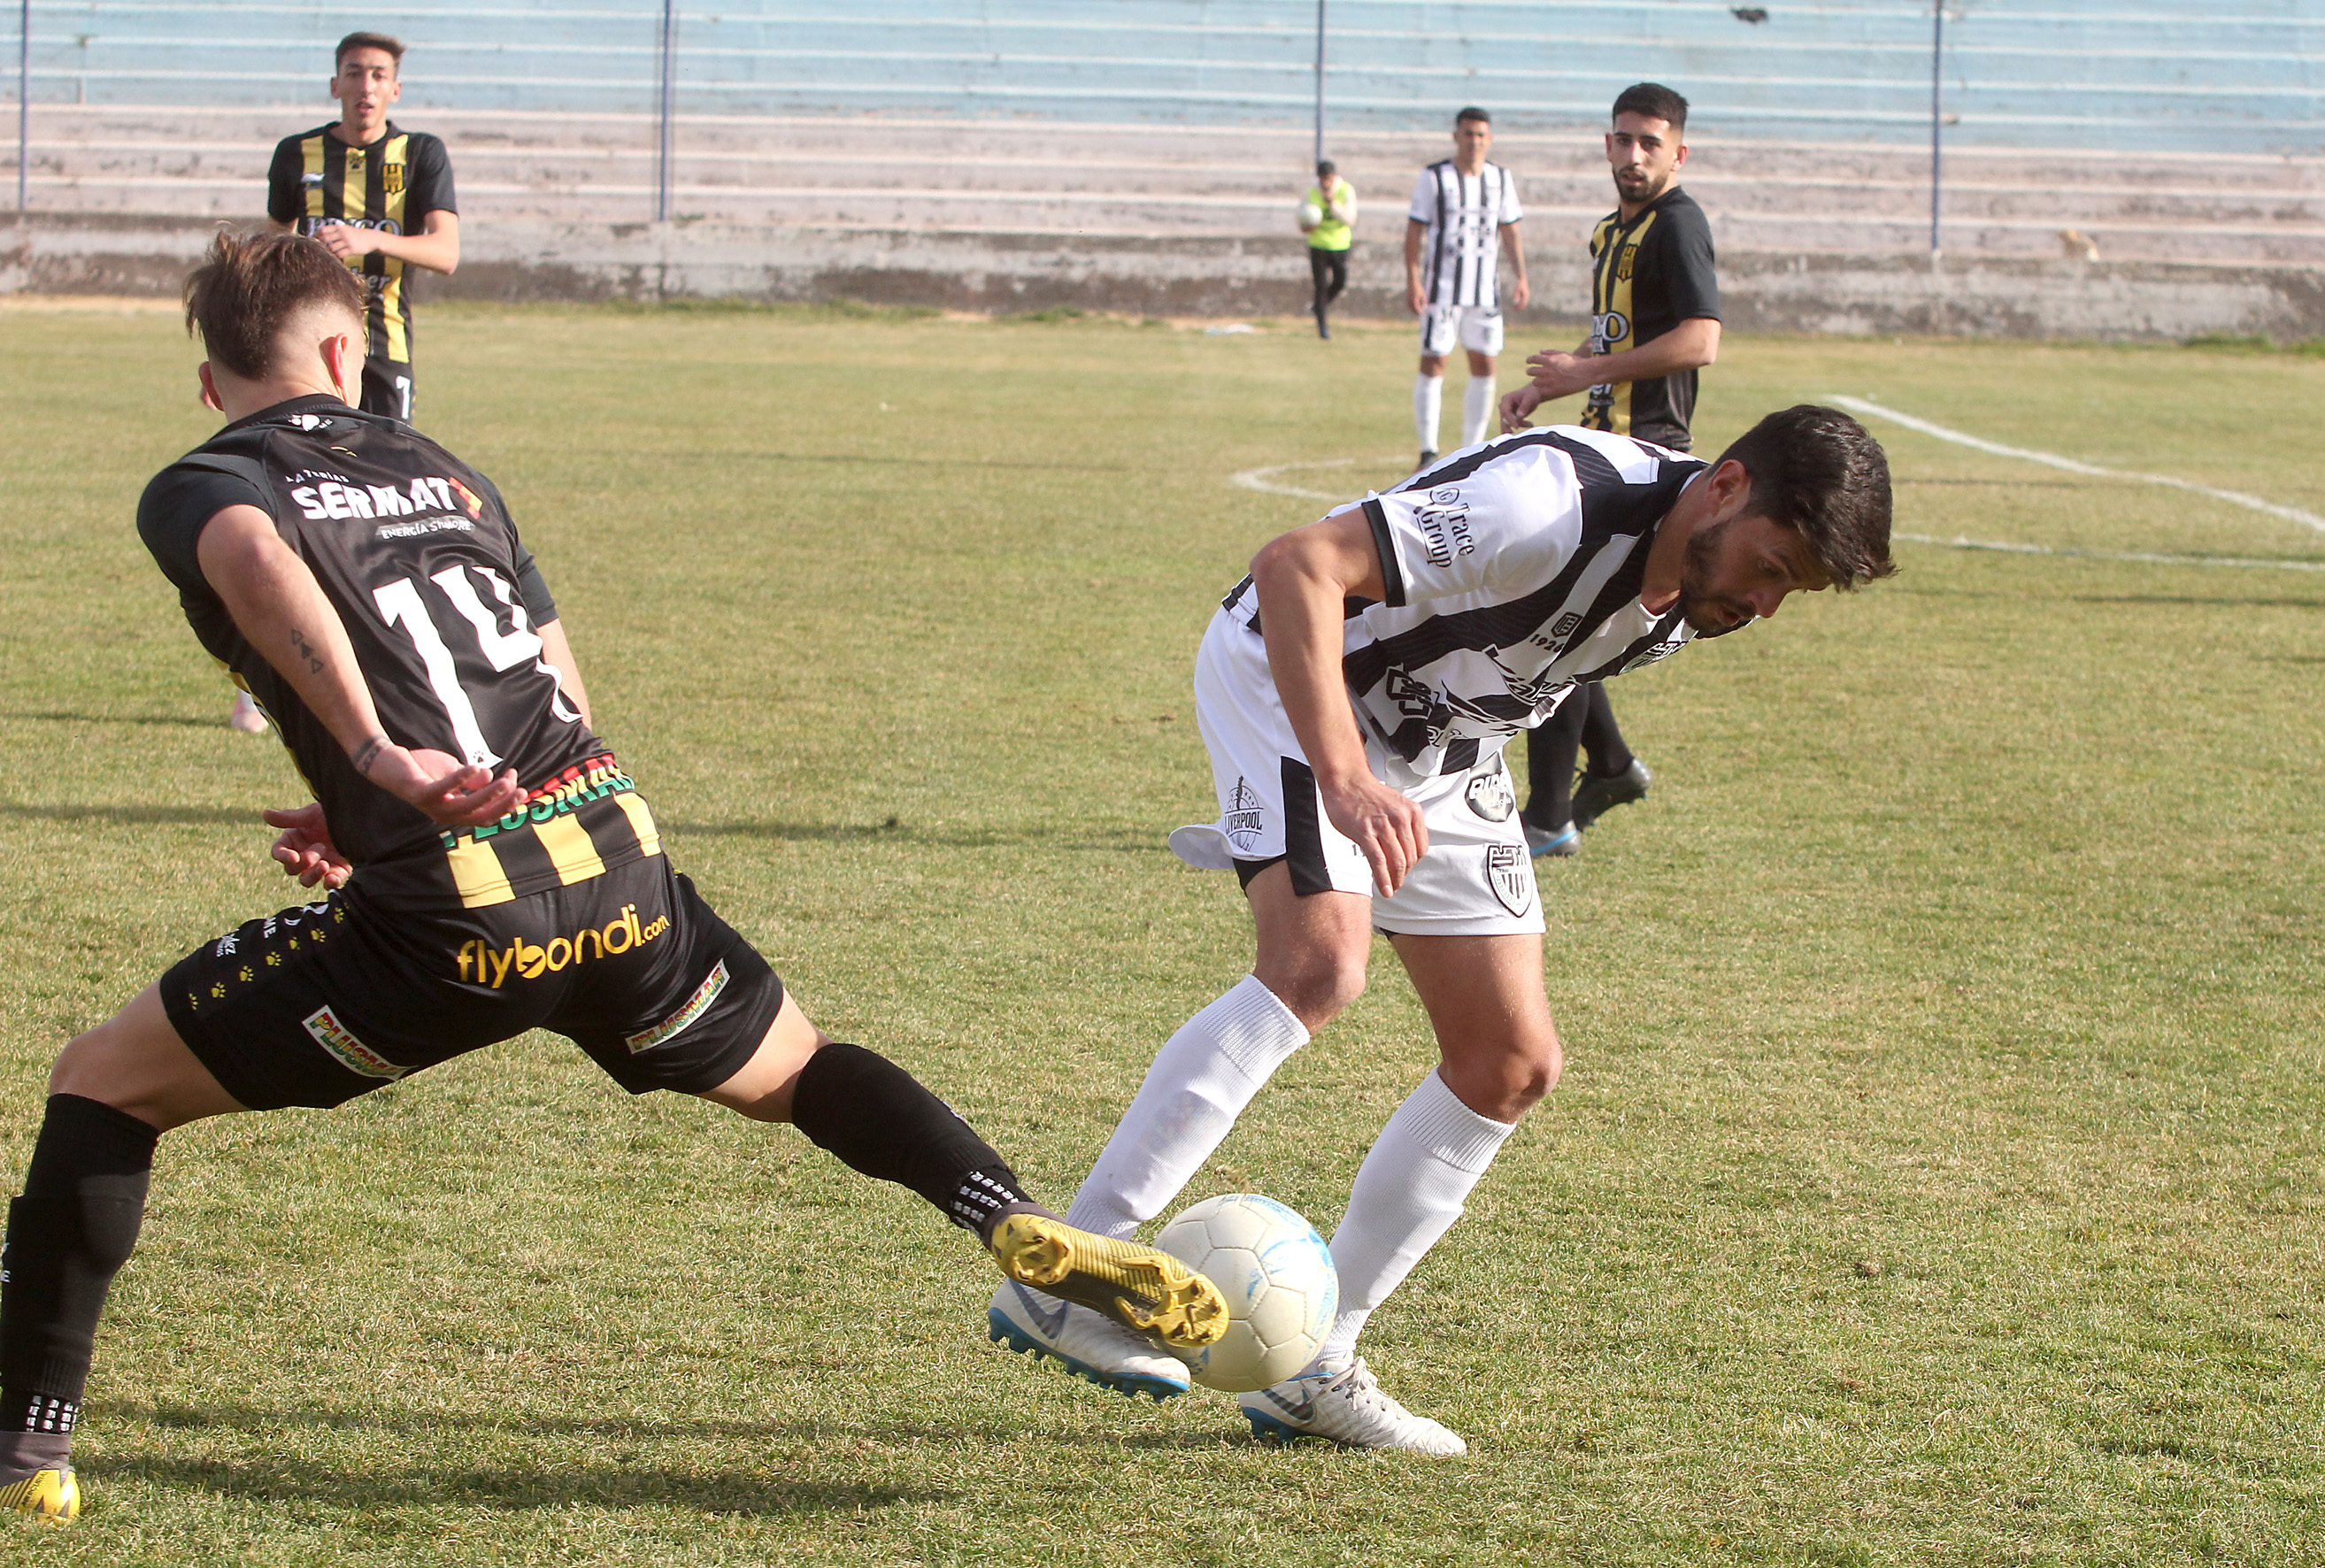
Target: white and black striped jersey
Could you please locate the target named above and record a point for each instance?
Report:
(1513, 570)
(1460, 254)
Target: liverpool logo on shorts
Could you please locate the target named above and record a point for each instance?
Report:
(1240, 821)
(1511, 876)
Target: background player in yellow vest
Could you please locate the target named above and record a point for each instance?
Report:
(1655, 321)
(380, 199)
(1332, 201)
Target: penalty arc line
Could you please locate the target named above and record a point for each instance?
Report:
(2052, 459)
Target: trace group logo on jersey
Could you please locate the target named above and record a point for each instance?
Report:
(696, 1006)
(351, 1053)
(1240, 821)
(1510, 874)
(492, 965)
(1444, 517)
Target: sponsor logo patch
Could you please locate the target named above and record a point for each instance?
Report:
(1489, 794)
(479, 962)
(1663, 649)
(351, 1053)
(696, 1006)
(1241, 820)
(392, 178)
(1510, 874)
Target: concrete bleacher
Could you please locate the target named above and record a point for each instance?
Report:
(2090, 133)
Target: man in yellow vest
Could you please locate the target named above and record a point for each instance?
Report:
(1328, 217)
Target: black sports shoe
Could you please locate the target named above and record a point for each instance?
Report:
(1427, 457)
(1599, 793)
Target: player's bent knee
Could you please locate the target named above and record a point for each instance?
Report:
(136, 1063)
(1316, 984)
(1506, 1081)
(762, 1087)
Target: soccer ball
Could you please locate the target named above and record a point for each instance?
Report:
(1311, 215)
(1277, 1276)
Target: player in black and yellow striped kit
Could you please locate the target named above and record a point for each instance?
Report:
(488, 866)
(1655, 321)
(379, 197)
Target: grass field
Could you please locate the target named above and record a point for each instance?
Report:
(1936, 1177)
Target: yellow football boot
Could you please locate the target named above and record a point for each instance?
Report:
(1135, 1285)
(52, 1496)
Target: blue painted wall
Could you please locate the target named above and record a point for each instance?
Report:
(2131, 75)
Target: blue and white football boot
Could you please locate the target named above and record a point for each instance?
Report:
(1085, 1343)
(1348, 1408)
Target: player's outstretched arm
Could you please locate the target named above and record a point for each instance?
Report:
(1304, 579)
(281, 609)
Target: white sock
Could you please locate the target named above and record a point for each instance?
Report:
(1477, 408)
(1409, 1192)
(1427, 406)
(1201, 1079)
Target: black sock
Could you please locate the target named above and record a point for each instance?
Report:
(878, 1119)
(68, 1236)
(1551, 748)
(1601, 737)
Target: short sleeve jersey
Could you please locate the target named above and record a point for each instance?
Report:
(1513, 570)
(390, 185)
(1647, 277)
(1460, 255)
(415, 551)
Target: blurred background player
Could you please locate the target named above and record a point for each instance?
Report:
(1465, 212)
(361, 186)
(1328, 217)
(1655, 321)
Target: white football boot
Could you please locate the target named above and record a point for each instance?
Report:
(1084, 1342)
(1348, 1408)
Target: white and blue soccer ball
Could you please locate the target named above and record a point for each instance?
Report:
(1310, 215)
(1277, 1276)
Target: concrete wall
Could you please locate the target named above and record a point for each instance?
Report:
(121, 254)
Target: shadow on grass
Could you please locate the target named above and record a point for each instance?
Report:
(53, 716)
(139, 816)
(891, 460)
(2200, 601)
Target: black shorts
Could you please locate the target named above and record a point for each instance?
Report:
(387, 388)
(319, 1004)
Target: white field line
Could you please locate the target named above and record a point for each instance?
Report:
(2147, 557)
(1264, 479)
(2052, 459)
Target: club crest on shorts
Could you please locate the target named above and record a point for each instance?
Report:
(1240, 821)
(1510, 874)
(1489, 795)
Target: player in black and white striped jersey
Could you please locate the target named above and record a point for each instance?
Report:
(1355, 693)
(1465, 213)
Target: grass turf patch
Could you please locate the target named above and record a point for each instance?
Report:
(1935, 1178)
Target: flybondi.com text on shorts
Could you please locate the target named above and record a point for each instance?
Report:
(488, 965)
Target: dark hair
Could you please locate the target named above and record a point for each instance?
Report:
(1326, 166)
(1473, 113)
(1820, 473)
(1652, 101)
(393, 46)
(247, 289)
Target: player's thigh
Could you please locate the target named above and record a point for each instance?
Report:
(1485, 999)
(1311, 949)
(317, 1004)
(136, 1063)
(667, 995)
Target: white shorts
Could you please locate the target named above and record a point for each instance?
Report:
(1477, 327)
(1476, 879)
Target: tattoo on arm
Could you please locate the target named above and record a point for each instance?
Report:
(366, 752)
(305, 651)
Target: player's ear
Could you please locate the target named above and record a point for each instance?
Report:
(209, 389)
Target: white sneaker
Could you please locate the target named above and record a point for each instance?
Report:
(1084, 1342)
(1348, 1408)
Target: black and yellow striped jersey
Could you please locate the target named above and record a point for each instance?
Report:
(392, 185)
(1647, 277)
(416, 552)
